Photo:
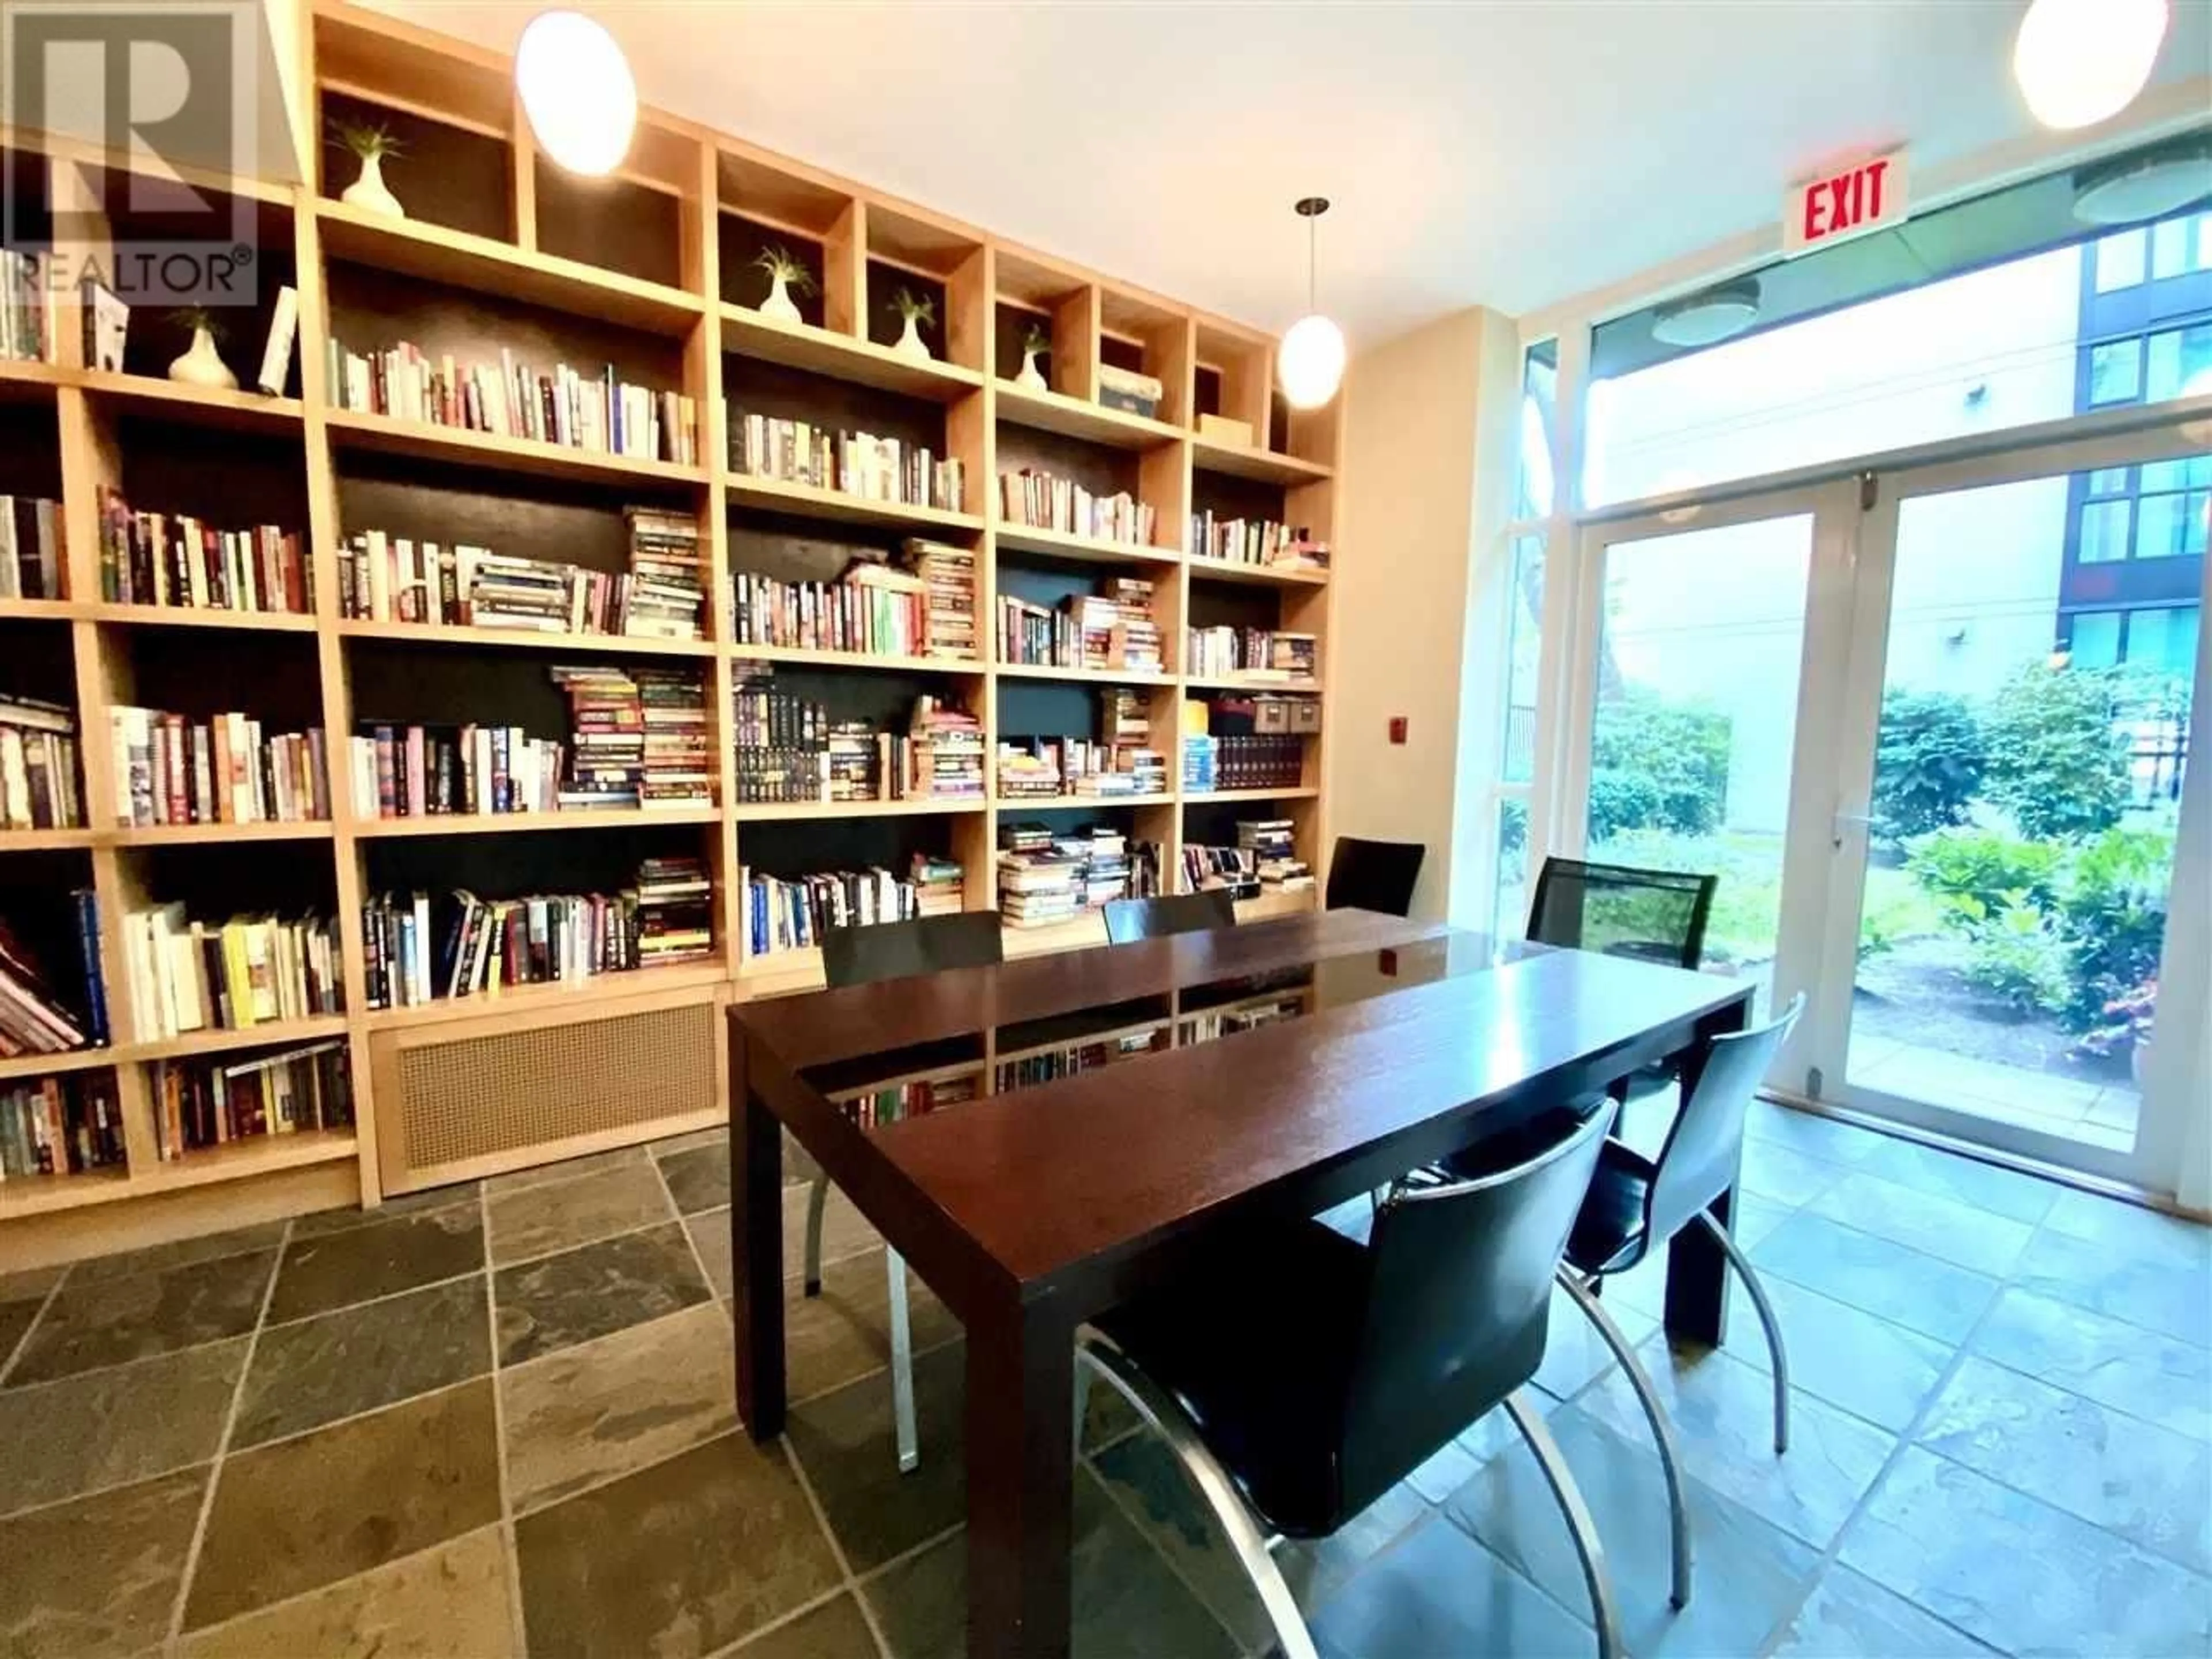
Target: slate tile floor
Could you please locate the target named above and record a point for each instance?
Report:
(499, 1420)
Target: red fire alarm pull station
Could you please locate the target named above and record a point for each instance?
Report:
(1397, 728)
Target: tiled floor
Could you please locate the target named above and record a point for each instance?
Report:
(487, 1422)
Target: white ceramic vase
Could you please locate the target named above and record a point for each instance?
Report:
(1030, 376)
(369, 193)
(779, 303)
(911, 344)
(203, 365)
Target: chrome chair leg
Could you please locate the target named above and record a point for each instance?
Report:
(818, 1197)
(1772, 1326)
(1606, 1614)
(1670, 1455)
(1253, 1547)
(910, 1442)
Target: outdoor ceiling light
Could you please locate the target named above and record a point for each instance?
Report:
(2080, 62)
(578, 91)
(1310, 363)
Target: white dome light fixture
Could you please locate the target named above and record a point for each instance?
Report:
(1311, 364)
(578, 91)
(2149, 185)
(2080, 62)
(1708, 318)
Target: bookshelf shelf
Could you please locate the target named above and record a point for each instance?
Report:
(1249, 683)
(1078, 932)
(746, 334)
(46, 841)
(1206, 797)
(192, 834)
(1064, 544)
(1222, 570)
(181, 616)
(1022, 670)
(238, 1160)
(267, 1034)
(780, 812)
(1018, 804)
(76, 1060)
(33, 383)
(1261, 465)
(802, 656)
(837, 508)
(523, 639)
(235, 412)
(1071, 417)
(32, 1195)
(387, 435)
(1268, 906)
(492, 824)
(454, 257)
(44, 611)
(584, 996)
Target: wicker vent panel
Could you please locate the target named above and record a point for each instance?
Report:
(494, 1094)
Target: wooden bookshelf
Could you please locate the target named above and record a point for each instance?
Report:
(500, 248)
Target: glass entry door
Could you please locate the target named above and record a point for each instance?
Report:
(2014, 734)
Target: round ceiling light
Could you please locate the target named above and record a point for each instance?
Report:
(1311, 362)
(2080, 62)
(578, 91)
(2150, 186)
(1707, 318)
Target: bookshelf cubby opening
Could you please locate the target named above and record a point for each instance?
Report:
(227, 480)
(29, 180)
(38, 660)
(777, 393)
(215, 880)
(39, 912)
(741, 242)
(30, 451)
(1215, 824)
(158, 335)
(1232, 378)
(886, 323)
(617, 224)
(1011, 324)
(443, 174)
(1099, 468)
(273, 677)
(529, 860)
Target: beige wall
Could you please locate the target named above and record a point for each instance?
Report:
(1429, 419)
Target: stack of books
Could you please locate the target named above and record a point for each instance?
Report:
(792, 914)
(58, 1125)
(851, 462)
(948, 579)
(1256, 653)
(872, 608)
(170, 769)
(189, 975)
(678, 758)
(1028, 768)
(675, 912)
(1039, 500)
(33, 1020)
(474, 946)
(34, 551)
(606, 727)
(873, 1108)
(1268, 844)
(37, 766)
(1260, 542)
(199, 1103)
(393, 579)
(27, 314)
(1126, 724)
(174, 559)
(1043, 878)
(665, 597)
(940, 885)
(1108, 630)
(944, 752)
(598, 413)
(413, 771)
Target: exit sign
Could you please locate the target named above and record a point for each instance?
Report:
(1863, 196)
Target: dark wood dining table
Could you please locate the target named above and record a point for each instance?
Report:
(1379, 1045)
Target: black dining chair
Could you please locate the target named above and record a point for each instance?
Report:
(1374, 875)
(1128, 920)
(1299, 1373)
(861, 954)
(1654, 915)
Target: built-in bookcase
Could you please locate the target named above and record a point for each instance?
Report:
(652, 271)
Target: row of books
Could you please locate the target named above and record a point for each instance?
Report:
(36, 1016)
(198, 1103)
(1047, 876)
(56, 1125)
(1274, 761)
(1042, 501)
(1263, 652)
(638, 738)
(27, 311)
(231, 975)
(793, 913)
(666, 595)
(33, 549)
(170, 769)
(37, 766)
(1053, 1064)
(1264, 860)
(851, 462)
(871, 608)
(415, 771)
(463, 945)
(872, 1108)
(1260, 542)
(1110, 629)
(175, 559)
(511, 399)
(1037, 768)
(1214, 1026)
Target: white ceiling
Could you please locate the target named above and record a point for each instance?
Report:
(1511, 153)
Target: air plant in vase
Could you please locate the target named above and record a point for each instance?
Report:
(785, 274)
(201, 364)
(915, 309)
(370, 142)
(1036, 340)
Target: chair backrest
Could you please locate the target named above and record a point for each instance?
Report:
(1658, 915)
(1705, 1145)
(1130, 920)
(1374, 875)
(1459, 1301)
(896, 950)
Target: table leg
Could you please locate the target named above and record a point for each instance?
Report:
(755, 1252)
(1021, 1454)
(1696, 1270)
